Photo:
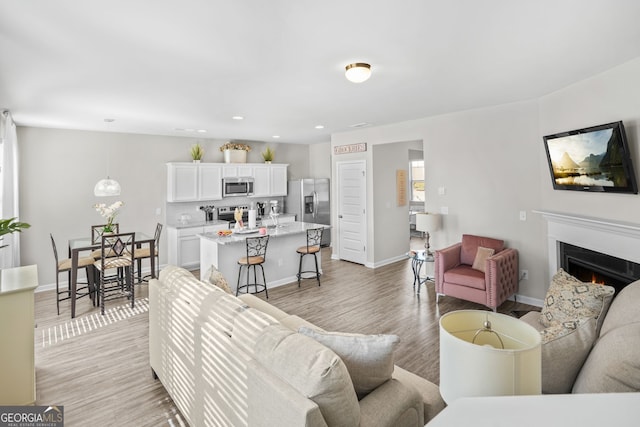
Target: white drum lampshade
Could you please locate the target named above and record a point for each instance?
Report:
(428, 223)
(473, 362)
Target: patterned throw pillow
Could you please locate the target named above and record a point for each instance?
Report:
(568, 300)
(217, 279)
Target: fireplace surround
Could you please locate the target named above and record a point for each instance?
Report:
(613, 241)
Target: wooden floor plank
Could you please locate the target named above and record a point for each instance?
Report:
(102, 376)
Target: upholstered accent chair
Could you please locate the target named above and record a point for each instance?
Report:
(477, 269)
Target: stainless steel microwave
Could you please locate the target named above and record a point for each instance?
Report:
(242, 186)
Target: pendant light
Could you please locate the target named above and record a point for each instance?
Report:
(107, 187)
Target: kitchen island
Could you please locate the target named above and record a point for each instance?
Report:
(281, 265)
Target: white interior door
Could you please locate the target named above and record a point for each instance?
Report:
(352, 220)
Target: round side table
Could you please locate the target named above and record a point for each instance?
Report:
(418, 258)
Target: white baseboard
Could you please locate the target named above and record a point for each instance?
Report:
(528, 300)
(63, 285)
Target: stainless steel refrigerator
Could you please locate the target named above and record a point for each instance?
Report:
(309, 200)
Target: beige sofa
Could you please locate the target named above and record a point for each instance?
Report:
(601, 355)
(239, 361)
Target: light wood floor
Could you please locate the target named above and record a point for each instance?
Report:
(102, 377)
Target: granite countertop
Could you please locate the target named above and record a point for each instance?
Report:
(191, 224)
(283, 230)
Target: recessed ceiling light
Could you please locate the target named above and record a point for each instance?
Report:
(237, 118)
(319, 127)
(275, 136)
(201, 131)
(360, 125)
(358, 72)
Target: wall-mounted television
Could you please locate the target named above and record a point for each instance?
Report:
(591, 159)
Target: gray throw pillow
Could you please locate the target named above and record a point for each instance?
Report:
(368, 358)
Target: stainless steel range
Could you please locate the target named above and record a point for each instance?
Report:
(226, 214)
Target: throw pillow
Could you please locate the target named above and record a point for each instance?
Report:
(569, 299)
(481, 256)
(369, 358)
(312, 369)
(564, 350)
(217, 279)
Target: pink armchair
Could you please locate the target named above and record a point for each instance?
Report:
(457, 277)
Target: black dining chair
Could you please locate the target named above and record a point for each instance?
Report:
(144, 253)
(115, 268)
(64, 266)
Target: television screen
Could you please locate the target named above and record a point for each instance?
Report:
(591, 159)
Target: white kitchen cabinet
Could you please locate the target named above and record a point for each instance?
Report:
(233, 170)
(184, 244)
(210, 181)
(269, 180)
(188, 182)
(261, 181)
(278, 185)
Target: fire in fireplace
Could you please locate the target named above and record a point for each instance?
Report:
(590, 266)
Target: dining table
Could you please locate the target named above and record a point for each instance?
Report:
(81, 244)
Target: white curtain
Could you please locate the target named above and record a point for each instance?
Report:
(9, 256)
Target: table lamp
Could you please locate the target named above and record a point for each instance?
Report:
(488, 354)
(428, 222)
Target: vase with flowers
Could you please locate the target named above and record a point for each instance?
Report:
(109, 213)
(235, 152)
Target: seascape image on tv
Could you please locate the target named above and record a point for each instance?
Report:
(588, 159)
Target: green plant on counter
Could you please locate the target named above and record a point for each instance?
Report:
(8, 226)
(197, 152)
(268, 154)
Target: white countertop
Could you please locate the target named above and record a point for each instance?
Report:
(192, 224)
(18, 279)
(282, 230)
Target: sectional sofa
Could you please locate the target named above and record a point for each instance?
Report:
(241, 361)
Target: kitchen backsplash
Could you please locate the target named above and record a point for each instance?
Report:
(174, 211)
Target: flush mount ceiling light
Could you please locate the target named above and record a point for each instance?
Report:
(358, 72)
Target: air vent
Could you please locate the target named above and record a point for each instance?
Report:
(360, 125)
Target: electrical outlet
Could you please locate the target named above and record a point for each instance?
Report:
(524, 274)
(523, 215)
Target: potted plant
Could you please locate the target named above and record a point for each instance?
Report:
(197, 152)
(267, 154)
(8, 226)
(235, 152)
(109, 213)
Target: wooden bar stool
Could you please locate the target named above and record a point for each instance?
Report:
(256, 256)
(314, 237)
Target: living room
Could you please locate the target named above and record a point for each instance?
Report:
(484, 166)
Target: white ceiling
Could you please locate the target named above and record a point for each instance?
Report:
(156, 66)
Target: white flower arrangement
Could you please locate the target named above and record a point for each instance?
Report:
(108, 212)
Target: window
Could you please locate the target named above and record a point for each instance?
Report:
(416, 168)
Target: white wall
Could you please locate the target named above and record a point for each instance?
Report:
(492, 164)
(59, 168)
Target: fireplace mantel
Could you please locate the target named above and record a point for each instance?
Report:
(615, 238)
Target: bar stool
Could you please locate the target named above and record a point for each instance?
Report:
(314, 237)
(256, 256)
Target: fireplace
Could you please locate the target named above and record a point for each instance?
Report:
(606, 248)
(592, 266)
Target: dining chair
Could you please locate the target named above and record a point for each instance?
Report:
(64, 266)
(256, 256)
(143, 253)
(115, 268)
(96, 234)
(314, 237)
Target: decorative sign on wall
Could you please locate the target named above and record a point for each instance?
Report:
(350, 148)
(401, 186)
